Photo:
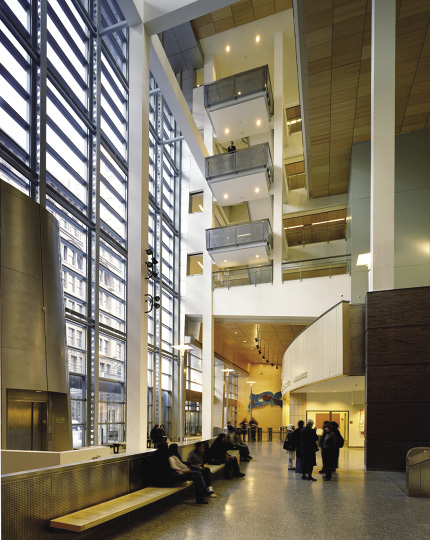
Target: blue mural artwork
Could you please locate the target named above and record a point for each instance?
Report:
(265, 398)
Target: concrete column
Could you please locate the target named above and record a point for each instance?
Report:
(207, 298)
(278, 145)
(137, 344)
(381, 275)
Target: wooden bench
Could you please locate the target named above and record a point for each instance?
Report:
(100, 513)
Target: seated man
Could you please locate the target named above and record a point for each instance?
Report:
(235, 441)
(218, 454)
(196, 460)
(180, 468)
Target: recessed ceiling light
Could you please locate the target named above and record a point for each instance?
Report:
(225, 260)
(244, 340)
(226, 131)
(225, 195)
(258, 122)
(257, 39)
(252, 348)
(227, 48)
(257, 256)
(257, 190)
(235, 332)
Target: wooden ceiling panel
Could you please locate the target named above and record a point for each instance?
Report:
(237, 14)
(338, 45)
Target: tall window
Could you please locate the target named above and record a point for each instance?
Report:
(164, 172)
(63, 141)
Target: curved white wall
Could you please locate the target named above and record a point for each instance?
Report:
(320, 352)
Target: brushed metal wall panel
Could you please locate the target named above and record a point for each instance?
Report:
(87, 486)
(23, 369)
(20, 242)
(26, 508)
(22, 322)
(51, 257)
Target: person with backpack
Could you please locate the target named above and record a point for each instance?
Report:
(339, 442)
(289, 446)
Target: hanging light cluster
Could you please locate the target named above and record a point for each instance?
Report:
(261, 348)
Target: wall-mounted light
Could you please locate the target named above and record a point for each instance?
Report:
(153, 302)
(182, 347)
(364, 259)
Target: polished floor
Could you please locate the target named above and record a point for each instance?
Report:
(274, 503)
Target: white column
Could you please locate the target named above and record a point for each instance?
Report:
(381, 275)
(278, 145)
(207, 298)
(137, 285)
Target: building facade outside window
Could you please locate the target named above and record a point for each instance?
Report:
(63, 142)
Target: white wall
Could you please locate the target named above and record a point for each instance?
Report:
(294, 301)
(319, 352)
(339, 401)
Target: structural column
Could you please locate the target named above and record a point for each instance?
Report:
(381, 275)
(208, 374)
(278, 165)
(138, 204)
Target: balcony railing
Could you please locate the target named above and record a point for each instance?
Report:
(253, 275)
(240, 87)
(313, 235)
(245, 161)
(312, 268)
(243, 235)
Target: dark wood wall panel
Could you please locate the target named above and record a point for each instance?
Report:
(397, 334)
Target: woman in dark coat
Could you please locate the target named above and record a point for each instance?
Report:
(339, 442)
(297, 441)
(309, 449)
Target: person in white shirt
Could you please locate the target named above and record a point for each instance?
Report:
(177, 465)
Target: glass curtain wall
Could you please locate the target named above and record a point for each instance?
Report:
(163, 239)
(63, 141)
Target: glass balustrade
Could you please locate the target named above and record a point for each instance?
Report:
(245, 234)
(247, 160)
(312, 268)
(240, 87)
(238, 277)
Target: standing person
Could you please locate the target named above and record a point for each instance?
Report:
(155, 435)
(231, 148)
(163, 433)
(218, 453)
(339, 442)
(321, 445)
(289, 447)
(196, 460)
(297, 439)
(253, 425)
(309, 449)
(328, 450)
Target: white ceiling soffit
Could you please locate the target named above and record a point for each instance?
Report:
(239, 189)
(240, 120)
(339, 384)
(256, 255)
(160, 15)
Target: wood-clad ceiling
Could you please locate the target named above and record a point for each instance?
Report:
(338, 58)
(237, 340)
(242, 12)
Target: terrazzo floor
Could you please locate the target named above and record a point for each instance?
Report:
(274, 503)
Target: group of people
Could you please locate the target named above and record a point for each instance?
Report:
(253, 424)
(157, 434)
(168, 469)
(303, 443)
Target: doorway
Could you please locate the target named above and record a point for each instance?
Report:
(27, 423)
(341, 417)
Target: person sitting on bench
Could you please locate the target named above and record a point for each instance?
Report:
(218, 454)
(235, 441)
(176, 464)
(196, 460)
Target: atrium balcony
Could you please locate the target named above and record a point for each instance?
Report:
(245, 175)
(240, 245)
(240, 105)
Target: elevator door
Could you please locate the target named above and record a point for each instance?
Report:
(26, 425)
